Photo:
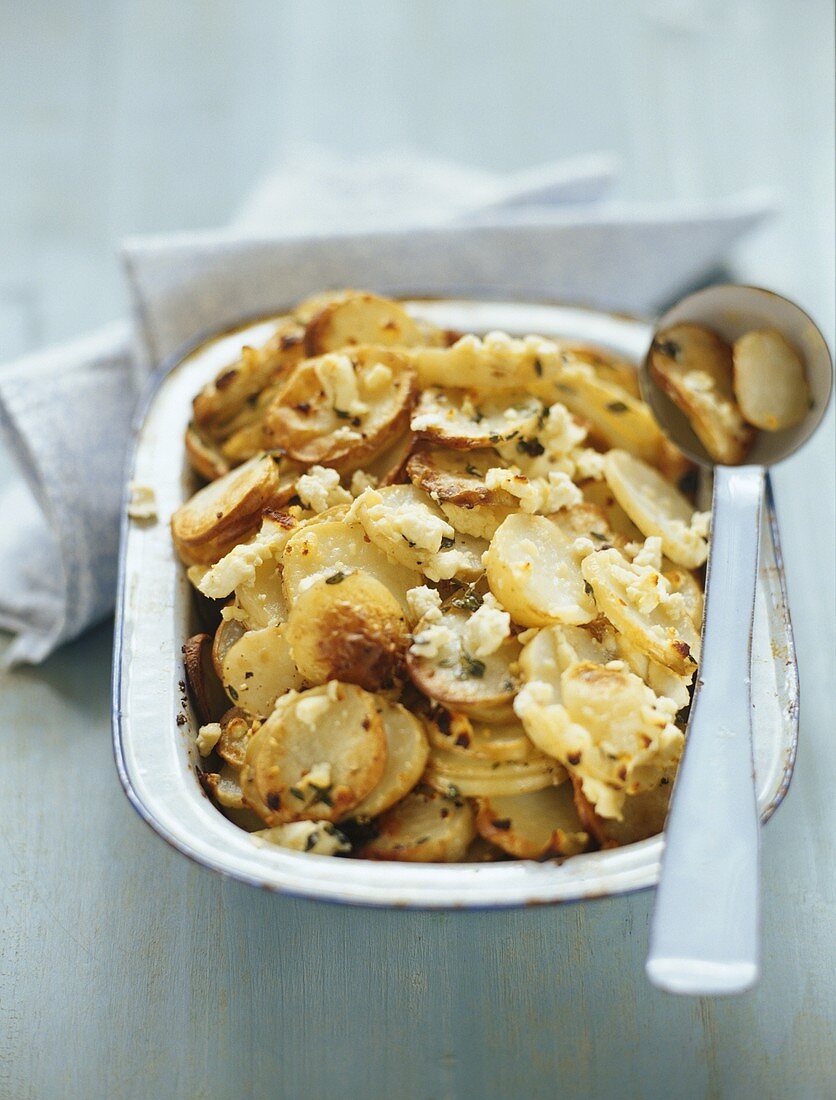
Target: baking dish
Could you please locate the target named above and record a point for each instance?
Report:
(154, 726)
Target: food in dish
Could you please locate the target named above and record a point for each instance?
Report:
(729, 392)
(452, 623)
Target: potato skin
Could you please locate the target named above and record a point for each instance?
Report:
(353, 631)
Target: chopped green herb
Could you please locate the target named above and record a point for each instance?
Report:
(587, 587)
(470, 601)
(311, 841)
(342, 414)
(472, 667)
(447, 542)
(335, 578)
(232, 692)
(597, 535)
(532, 447)
(297, 793)
(472, 470)
(617, 407)
(668, 347)
(538, 368)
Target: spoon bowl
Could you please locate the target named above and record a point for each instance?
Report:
(731, 311)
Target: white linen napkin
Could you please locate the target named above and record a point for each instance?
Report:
(65, 413)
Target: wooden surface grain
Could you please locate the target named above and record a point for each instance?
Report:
(127, 973)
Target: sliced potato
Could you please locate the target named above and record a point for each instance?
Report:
(225, 787)
(342, 409)
(671, 685)
(238, 568)
(614, 417)
(656, 507)
(457, 477)
(360, 319)
(316, 757)
(389, 467)
(465, 420)
(555, 648)
(599, 493)
(694, 368)
(482, 779)
(607, 366)
(406, 757)
(458, 734)
(539, 825)
(587, 521)
(332, 545)
(665, 631)
(482, 851)
(204, 686)
(262, 600)
(237, 386)
(642, 815)
(204, 457)
(229, 510)
(349, 628)
(237, 728)
(411, 529)
(490, 364)
(228, 633)
(424, 827)
(440, 666)
(534, 573)
(259, 668)
(769, 381)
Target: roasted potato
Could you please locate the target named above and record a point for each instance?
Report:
(424, 827)
(360, 319)
(769, 381)
(538, 825)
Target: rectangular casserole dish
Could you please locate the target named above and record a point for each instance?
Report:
(154, 726)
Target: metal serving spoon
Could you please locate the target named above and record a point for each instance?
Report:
(705, 934)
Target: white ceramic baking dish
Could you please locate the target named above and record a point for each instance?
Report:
(154, 726)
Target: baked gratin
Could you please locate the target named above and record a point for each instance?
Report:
(453, 591)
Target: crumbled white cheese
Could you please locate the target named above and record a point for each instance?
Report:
(424, 603)
(317, 838)
(207, 737)
(588, 463)
(143, 503)
(320, 489)
(360, 481)
(377, 378)
(486, 629)
(339, 381)
(238, 566)
(650, 554)
(701, 524)
(415, 522)
(434, 640)
(319, 777)
(311, 709)
(322, 574)
(539, 495)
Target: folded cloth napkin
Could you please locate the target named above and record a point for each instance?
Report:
(65, 413)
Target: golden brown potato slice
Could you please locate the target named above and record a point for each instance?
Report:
(236, 388)
(643, 814)
(694, 368)
(228, 633)
(258, 669)
(552, 650)
(389, 467)
(237, 728)
(465, 420)
(360, 319)
(489, 364)
(205, 688)
(457, 733)
(343, 408)
(457, 477)
(664, 681)
(538, 825)
(424, 827)
(204, 457)
(229, 510)
(534, 573)
(316, 757)
(406, 757)
(441, 667)
(408, 526)
(607, 366)
(225, 787)
(330, 546)
(447, 771)
(627, 595)
(349, 628)
(769, 381)
(657, 508)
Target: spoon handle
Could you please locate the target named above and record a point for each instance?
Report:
(705, 932)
